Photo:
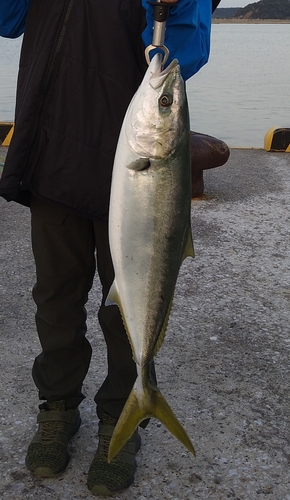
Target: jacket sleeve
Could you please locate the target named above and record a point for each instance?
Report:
(12, 17)
(187, 33)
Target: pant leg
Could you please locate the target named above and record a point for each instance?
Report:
(63, 246)
(122, 373)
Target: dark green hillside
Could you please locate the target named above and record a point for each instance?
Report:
(225, 13)
(265, 9)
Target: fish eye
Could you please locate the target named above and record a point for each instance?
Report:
(166, 100)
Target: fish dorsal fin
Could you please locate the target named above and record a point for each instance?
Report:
(188, 248)
(187, 252)
(163, 329)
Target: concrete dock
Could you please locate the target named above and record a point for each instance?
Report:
(223, 367)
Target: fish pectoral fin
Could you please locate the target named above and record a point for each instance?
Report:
(140, 406)
(113, 297)
(188, 249)
(139, 164)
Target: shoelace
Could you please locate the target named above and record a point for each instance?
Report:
(48, 431)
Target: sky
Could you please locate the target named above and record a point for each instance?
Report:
(235, 3)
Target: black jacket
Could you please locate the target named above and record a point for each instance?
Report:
(80, 64)
(215, 3)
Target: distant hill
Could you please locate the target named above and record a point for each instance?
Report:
(225, 13)
(265, 9)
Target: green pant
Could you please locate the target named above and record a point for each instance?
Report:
(64, 247)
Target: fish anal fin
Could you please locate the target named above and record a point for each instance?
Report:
(113, 297)
(188, 248)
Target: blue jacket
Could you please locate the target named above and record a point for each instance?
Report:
(187, 32)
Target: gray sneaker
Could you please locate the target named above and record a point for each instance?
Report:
(47, 454)
(105, 478)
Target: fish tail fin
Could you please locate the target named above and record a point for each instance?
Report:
(129, 420)
(140, 406)
(163, 412)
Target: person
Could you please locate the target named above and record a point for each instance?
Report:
(80, 64)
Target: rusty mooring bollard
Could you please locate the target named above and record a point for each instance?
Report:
(206, 152)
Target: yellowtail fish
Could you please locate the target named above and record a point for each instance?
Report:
(150, 233)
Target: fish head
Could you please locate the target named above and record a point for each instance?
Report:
(158, 113)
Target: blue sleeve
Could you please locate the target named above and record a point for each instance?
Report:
(12, 17)
(187, 35)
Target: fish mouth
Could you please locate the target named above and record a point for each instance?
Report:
(159, 75)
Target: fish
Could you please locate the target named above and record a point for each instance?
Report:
(150, 233)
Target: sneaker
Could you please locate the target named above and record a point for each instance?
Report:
(47, 454)
(105, 478)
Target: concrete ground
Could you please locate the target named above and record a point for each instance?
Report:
(223, 367)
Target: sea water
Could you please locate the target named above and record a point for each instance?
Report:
(244, 90)
(238, 96)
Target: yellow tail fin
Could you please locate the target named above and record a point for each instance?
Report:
(140, 405)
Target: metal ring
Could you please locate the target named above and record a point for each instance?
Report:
(154, 47)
